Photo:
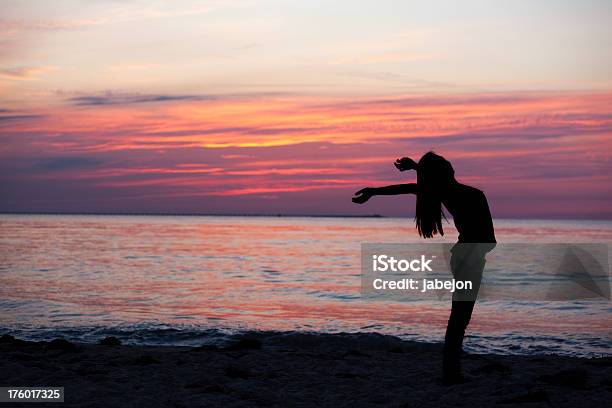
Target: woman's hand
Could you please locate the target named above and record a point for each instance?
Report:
(405, 163)
(363, 195)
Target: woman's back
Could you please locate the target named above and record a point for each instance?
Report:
(471, 214)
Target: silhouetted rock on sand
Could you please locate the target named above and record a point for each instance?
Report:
(110, 341)
(245, 343)
(62, 345)
(8, 339)
(301, 370)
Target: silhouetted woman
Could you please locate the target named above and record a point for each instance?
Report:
(436, 186)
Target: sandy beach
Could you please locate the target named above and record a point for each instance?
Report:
(298, 370)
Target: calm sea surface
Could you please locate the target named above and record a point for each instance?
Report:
(190, 280)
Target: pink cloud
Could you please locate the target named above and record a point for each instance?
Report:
(306, 152)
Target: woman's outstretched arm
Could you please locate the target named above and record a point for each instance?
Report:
(365, 194)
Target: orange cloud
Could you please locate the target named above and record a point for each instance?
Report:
(176, 147)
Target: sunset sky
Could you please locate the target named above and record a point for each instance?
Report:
(268, 107)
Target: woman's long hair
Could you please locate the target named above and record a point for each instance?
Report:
(434, 175)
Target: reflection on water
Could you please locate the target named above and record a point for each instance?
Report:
(268, 273)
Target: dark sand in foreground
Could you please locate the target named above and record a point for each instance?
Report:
(298, 370)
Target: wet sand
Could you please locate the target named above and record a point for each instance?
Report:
(298, 370)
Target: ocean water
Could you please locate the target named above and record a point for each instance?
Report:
(189, 280)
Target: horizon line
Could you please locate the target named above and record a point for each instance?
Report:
(279, 215)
